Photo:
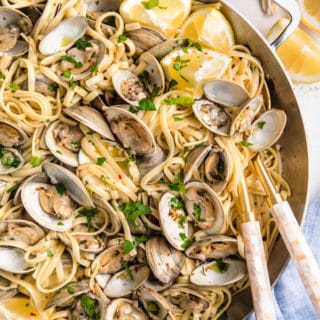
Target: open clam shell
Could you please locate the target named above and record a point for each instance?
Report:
(164, 261)
(125, 281)
(225, 93)
(91, 118)
(63, 36)
(212, 117)
(123, 308)
(130, 130)
(11, 136)
(12, 260)
(204, 207)
(173, 222)
(219, 273)
(11, 160)
(80, 308)
(213, 247)
(267, 129)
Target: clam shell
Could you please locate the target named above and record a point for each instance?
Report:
(11, 135)
(12, 260)
(4, 169)
(63, 36)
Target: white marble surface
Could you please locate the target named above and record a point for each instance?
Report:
(308, 95)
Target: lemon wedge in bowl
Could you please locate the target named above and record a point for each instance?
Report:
(210, 28)
(190, 68)
(310, 10)
(163, 15)
(300, 54)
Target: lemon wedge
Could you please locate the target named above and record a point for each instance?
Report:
(310, 10)
(163, 15)
(300, 53)
(190, 68)
(210, 28)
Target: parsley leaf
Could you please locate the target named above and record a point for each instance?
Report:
(82, 45)
(129, 272)
(129, 246)
(101, 161)
(185, 239)
(176, 185)
(176, 203)
(245, 144)
(36, 161)
(147, 104)
(261, 124)
(53, 87)
(11, 162)
(122, 38)
(61, 189)
(72, 84)
(197, 212)
(184, 101)
(71, 60)
(152, 4)
(70, 290)
(177, 118)
(66, 74)
(89, 306)
(94, 68)
(15, 86)
(13, 188)
(49, 253)
(60, 223)
(1, 74)
(220, 266)
(172, 84)
(133, 210)
(144, 78)
(89, 213)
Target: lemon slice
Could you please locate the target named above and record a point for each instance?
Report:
(163, 15)
(210, 28)
(191, 68)
(300, 54)
(310, 10)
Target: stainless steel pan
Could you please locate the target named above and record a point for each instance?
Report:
(294, 151)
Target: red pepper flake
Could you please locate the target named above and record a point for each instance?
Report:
(32, 314)
(120, 177)
(40, 188)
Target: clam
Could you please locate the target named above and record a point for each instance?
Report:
(64, 141)
(42, 85)
(213, 247)
(124, 309)
(148, 65)
(145, 39)
(10, 160)
(7, 289)
(221, 272)
(90, 118)
(267, 129)
(84, 59)
(129, 87)
(88, 303)
(63, 36)
(12, 23)
(165, 262)
(173, 221)
(225, 93)
(242, 122)
(125, 281)
(11, 136)
(204, 207)
(212, 117)
(157, 307)
(12, 259)
(187, 299)
(52, 204)
(154, 284)
(66, 296)
(130, 130)
(111, 260)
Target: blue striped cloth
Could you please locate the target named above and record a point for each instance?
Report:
(292, 300)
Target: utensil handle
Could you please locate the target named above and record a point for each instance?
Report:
(299, 250)
(258, 272)
(292, 7)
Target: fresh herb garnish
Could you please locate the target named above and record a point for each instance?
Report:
(2, 152)
(190, 44)
(182, 220)
(176, 185)
(197, 212)
(101, 160)
(133, 210)
(152, 4)
(94, 68)
(153, 308)
(177, 118)
(49, 253)
(72, 84)
(261, 124)
(82, 45)
(185, 239)
(245, 144)
(66, 74)
(53, 87)
(172, 83)
(60, 223)
(11, 162)
(15, 86)
(70, 290)
(13, 188)
(72, 60)
(176, 203)
(178, 65)
(89, 214)
(129, 272)
(122, 38)
(1, 75)
(144, 78)
(184, 101)
(129, 246)
(89, 307)
(89, 17)
(222, 266)
(61, 189)
(133, 110)
(36, 161)
(147, 104)
(58, 151)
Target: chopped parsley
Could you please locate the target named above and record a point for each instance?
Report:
(11, 162)
(182, 221)
(152, 4)
(133, 210)
(58, 151)
(15, 86)
(190, 44)
(72, 60)
(82, 45)
(36, 161)
(176, 185)
(94, 68)
(133, 110)
(129, 246)
(49, 253)
(70, 290)
(66, 74)
(53, 87)
(147, 104)
(129, 272)
(197, 212)
(61, 189)
(72, 84)
(1, 75)
(13, 188)
(89, 214)
(185, 239)
(184, 101)
(153, 308)
(178, 65)
(172, 84)
(122, 38)
(177, 118)
(2, 152)
(60, 223)
(89, 17)
(100, 161)
(144, 78)
(176, 203)
(220, 266)
(245, 144)
(89, 307)
(261, 124)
